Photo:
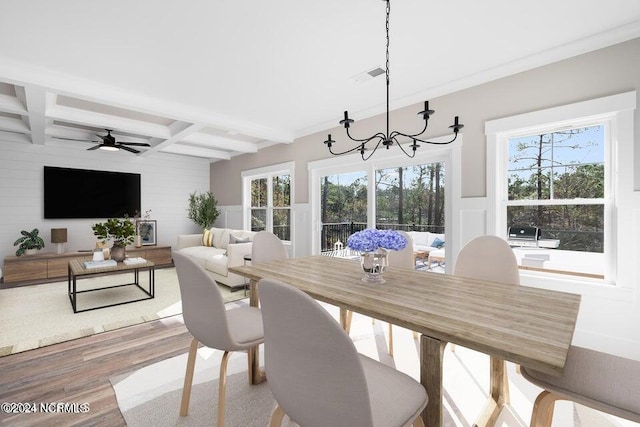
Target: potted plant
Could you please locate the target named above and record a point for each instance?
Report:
(29, 243)
(202, 209)
(121, 230)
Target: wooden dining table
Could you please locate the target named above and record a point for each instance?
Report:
(529, 326)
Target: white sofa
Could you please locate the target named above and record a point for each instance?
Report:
(424, 241)
(217, 259)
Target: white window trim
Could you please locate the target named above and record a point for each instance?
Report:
(384, 159)
(287, 168)
(617, 111)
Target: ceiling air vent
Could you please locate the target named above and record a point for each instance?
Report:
(367, 75)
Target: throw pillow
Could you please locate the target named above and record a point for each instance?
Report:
(235, 239)
(437, 243)
(207, 238)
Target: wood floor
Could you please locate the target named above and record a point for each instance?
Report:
(78, 371)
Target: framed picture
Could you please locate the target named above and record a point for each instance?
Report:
(148, 231)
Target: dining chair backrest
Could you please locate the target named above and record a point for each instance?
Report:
(267, 247)
(314, 370)
(404, 257)
(202, 304)
(488, 258)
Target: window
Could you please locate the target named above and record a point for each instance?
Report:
(268, 200)
(561, 171)
(387, 191)
(556, 182)
(411, 198)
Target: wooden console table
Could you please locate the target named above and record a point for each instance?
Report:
(47, 267)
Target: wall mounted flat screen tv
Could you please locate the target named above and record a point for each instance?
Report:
(82, 193)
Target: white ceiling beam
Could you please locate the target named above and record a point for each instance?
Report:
(13, 125)
(15, 137)
(189, 150)
(11, 104)
(221, 142)
(178, 131)
(35, 99)
(106, 121)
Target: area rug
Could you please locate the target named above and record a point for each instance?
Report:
(41, 315)
(151, 396)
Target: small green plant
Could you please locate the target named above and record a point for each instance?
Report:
(202, 209)
(121, 230)
(29, 240)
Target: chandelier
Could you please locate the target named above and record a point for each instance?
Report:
(390, 138)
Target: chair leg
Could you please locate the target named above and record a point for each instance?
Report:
(222, 387)
(543, 409)
(188, 378)
(276, 416)
(418, 422)
(347, 326)
(390, 340)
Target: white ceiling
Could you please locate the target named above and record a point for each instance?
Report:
(219, 78)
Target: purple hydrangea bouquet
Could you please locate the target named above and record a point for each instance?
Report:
(373, 246)
(370, 240)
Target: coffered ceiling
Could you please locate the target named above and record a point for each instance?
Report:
(215, 79)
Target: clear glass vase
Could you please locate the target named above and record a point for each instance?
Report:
(373, 265)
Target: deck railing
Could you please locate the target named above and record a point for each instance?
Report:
(340, 231)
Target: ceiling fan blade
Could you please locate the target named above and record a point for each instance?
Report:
(95, 147)
(131, 150)
(137, 144)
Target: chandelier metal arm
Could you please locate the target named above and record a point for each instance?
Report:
(365, 140)
(363, 150)
(396, 133)
(413, 146)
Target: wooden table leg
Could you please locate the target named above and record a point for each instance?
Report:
(256, 375)
(498, 393)
(431, 363)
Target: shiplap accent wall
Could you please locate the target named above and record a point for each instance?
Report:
(166, 181)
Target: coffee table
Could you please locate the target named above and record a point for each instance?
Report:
(419, 254)
(77, 270)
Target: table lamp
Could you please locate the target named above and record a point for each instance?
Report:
(59, 237)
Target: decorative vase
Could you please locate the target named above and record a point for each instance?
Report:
(373, 265)
(138, 241)
(117, 253)
(31, 251)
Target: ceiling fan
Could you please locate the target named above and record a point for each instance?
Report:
(109, 143)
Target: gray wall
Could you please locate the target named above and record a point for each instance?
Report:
(603, 72)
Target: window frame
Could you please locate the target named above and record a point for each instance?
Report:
(616, 113)
(268, 173)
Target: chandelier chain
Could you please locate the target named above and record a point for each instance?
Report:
(387, 29)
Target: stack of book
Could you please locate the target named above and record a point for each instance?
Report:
(138, 260)
(100, 264)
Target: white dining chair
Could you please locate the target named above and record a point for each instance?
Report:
(601, 381)
(267, 247)
(487, 258)
(207, 319)
(323, 381)
(403, 258)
